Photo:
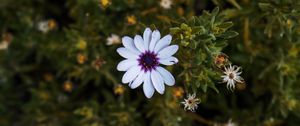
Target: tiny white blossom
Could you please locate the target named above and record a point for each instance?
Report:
(43, 26)
(113, 39)
(4, 45)
(166, 4)
(232, 76)
(191, 103)
(6, 40)
(143, 56)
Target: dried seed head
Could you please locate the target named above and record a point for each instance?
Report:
(220, 60)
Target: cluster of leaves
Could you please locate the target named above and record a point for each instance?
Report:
(201, 40)
(269, 43)
(51, 79)
(67, 76)
(285, 16)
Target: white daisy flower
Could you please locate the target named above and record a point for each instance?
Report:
(6, 40)
(43, 26)
(232, 75)
(4, 45)
(166, 4)
(143, 56)
(113, 39)
(191, 103)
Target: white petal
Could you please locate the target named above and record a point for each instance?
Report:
(231, 68)
(131, 74)
(139, 43)
(128, 43)
(158, 82)
(138, 80)
(237, 69)
(147, 37)
(126, 53)
(168, 61)
(154, 38)
(162, 43)
(225, 78)
(226, 70)
(238, 79)
(147, 86)
(168, 51)
(231, 82)
(126, 64)
(228, 85)
(167, 76)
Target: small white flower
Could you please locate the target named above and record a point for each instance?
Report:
(143, 56)
(113, 39)
(191, 103)
(43, 26)
(6, 40)
(4, 45)
(166, 4)
(232, 75)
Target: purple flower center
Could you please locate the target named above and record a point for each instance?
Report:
(148, 61)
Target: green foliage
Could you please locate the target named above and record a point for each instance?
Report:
(201, 39)
(66, 74)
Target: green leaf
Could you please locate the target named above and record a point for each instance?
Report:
(198, 84)
(225, 25)
(191, 21)
(202, 57)
(184, 43)
(184, 26)
(193, 45)
(221, 44)
(204, 88)
(213, 86)
(174, 30)
(228, 34)
(215, 11)
(213, 18)
(206, 37)
(265, 6)
(198, 30)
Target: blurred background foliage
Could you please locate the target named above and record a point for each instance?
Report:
(57, 68)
